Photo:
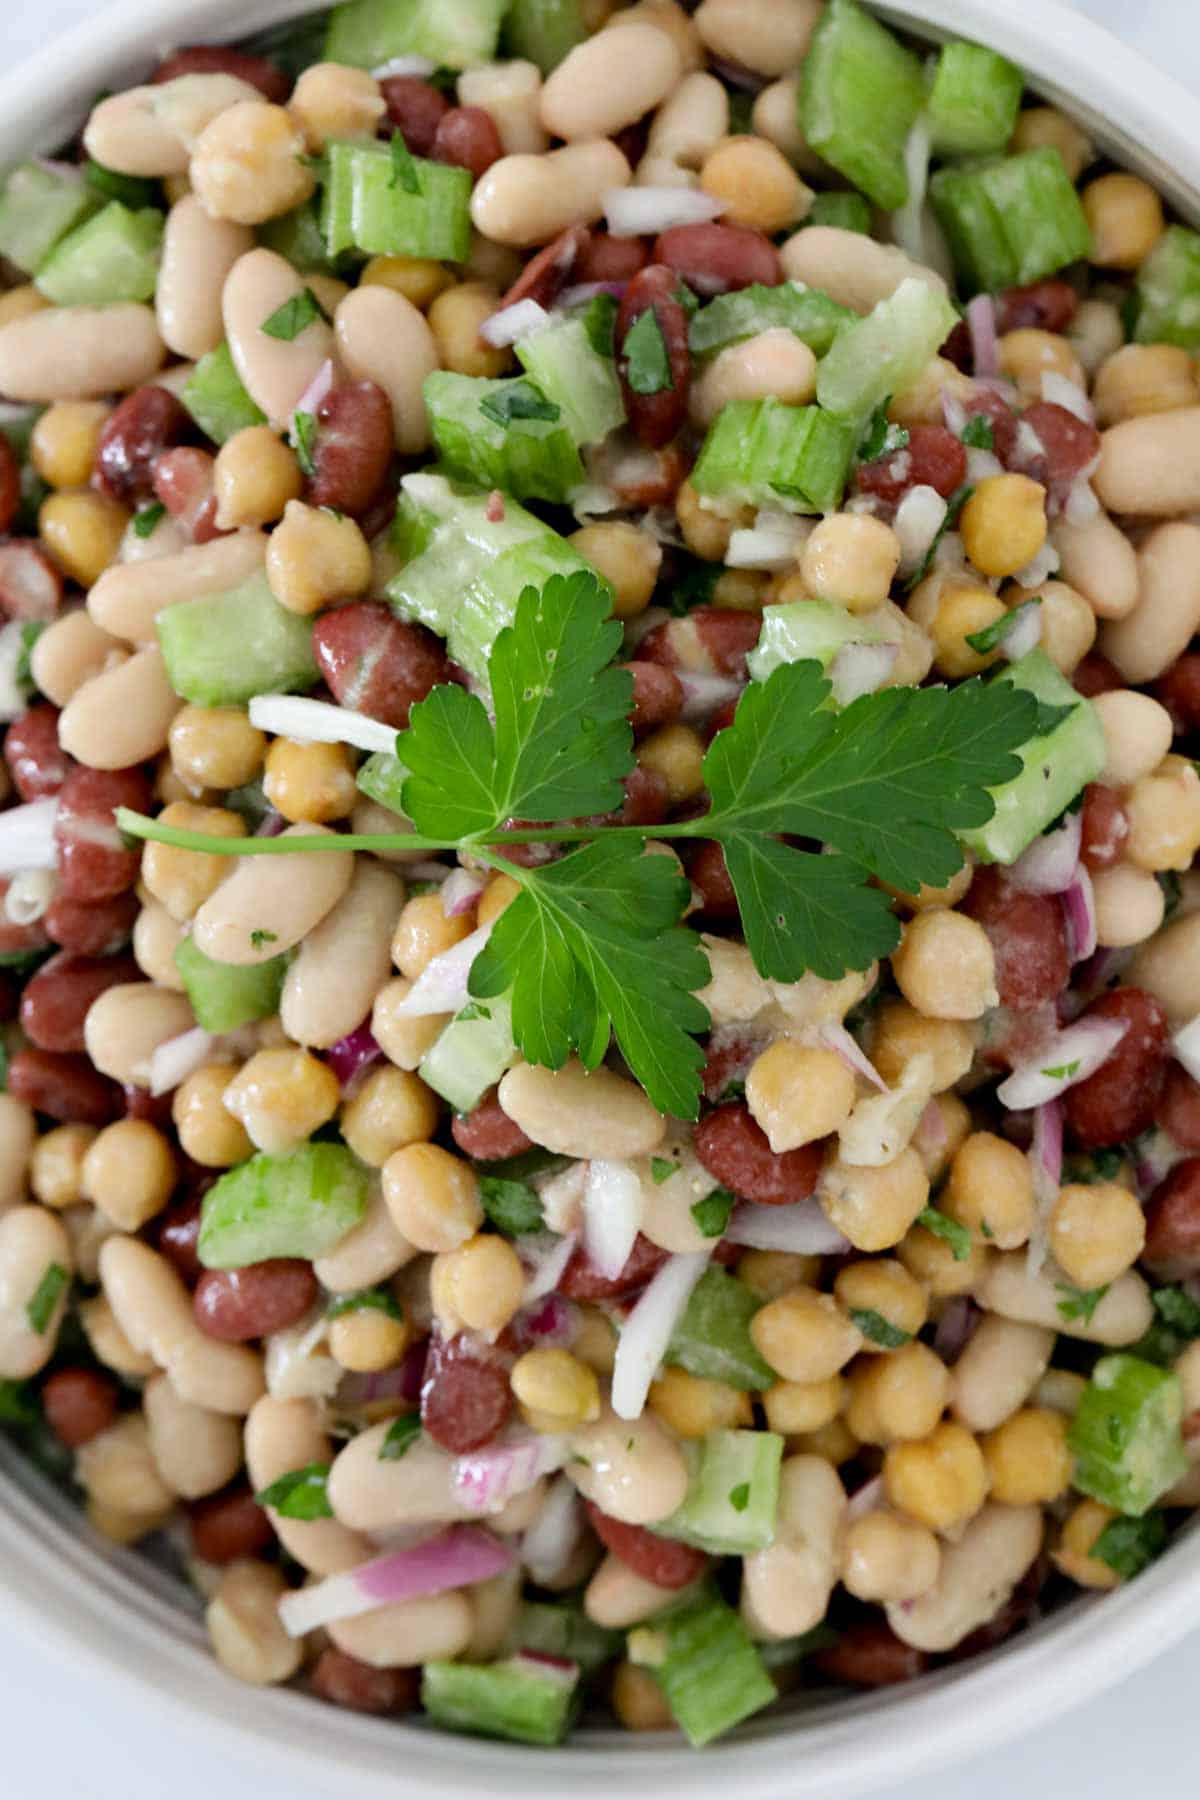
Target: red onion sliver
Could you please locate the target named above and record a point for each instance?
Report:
(955, 1329)
(272, 824)
(648, 1330)
(801, 1228)
(460, 890)
(981, 323)
(736, 75)
(353, 1053)
(835, 1037)
(1079, 905)
(455, 1558)
(486, 1480)
(866, 1498)
(1049, 864)
(317, 389)
(1064, 1060)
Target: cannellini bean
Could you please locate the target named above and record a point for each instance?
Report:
(1099, 561)
(118, 1473)
(685, 131)
(1007, 1288)
(88, 1229)
(342, 964)
(631, 1468)
(196, 1451)
(776, 117)
(1138, 733)
(616, 1597)
(381, 337)
(774, 363)
(245, 1629)
(18, 1133)
(126, 1024)
(79, 352)
(978, 1575)
(494, 1608)
(154, 1311)
(274, 372)
(69, 652)
(575, 1113)
(1169, 968)
(108, 1341)
(197, 254)
(527, 200)
(998, 1370)
(373, 1252)
(786, 1588)
(1162, 624)
(511, 93)
(32, 1242)
(409, 1632)
(151, 130)
(272, 895)
(609, 81)
(121, 716)
(851, 268)
(768, 36)
(282, 1435)
(369, 1495)
(1151, 465)
(129, 596)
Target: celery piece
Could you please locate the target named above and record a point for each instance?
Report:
(711, 1674)
(1011, 221)
(733, 1493)
(381, 778)
(807, 631)
(532, 456)
(453, 34)
(131, 190)
(38, 206)
(860, 94)
(543, 31)
(525, 1698)
(1056, 766)
(113, 256)
(298, 238)
(885, 352)
(730, 318)
(581, 383)
(846, 212)
(763, 453)
(366, 208)
(299, 1203)
(217, 400)
(1127, 1434)
(562, 1628)
(224, 648)
(712, 1339)
(225, 997)
(471, 1054)
(1168, 291)
(974, 101)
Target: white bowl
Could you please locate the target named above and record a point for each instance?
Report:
(113, 1612)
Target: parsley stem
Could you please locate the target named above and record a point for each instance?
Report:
(137, 825)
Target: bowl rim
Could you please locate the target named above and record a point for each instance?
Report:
(84, 1607)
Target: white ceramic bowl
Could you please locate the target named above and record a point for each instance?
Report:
(112, 1612)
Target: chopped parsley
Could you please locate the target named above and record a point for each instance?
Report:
(879, 1330)
(882, 438)
(954, 508)
(1062, 1071)
(145, 521)
(647, 359)
(712, 1213)
(600, 323)
(474, 1009)
(949, 1230)
(520, 400)
(31, 631)
(979, 433)
(300, 1494)
(694, 588)
(46, 1297)
(661, 1169)
(739, 1496)
(405, 173)
(400, 1437)
(261, 936)
(1129, 1545)
(1078, 1303)
(1098, 1165)
(512, 1206)
(1178, 1310)
(293, 317)
(18, 1404)
(992, 636)
(375, 1299)
(304, 440)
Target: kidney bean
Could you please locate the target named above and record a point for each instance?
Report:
(546, 275)
(725, 1063)
(144, 424)
(1120, 1099)
(1042, 306)
(376, 663)
(652, 478)
(487, 1133)
(1179, 692)
(656, 418)
(657, 696)
(465, 1396)
(36, 762)
(605, 258)
(19, 940)
(988, 404)
(959, 350)
(717, 259)
(177, 1235)
(10, 995)
(31, 585)
(869, 1654)
(734, 1148)
(94, 862)
(1172, 1251)
(582, 1280)
(10, 484)
(1096, 675)
(1028, 937)
(1105, 827)
(236, 1305)
(1178, 1111)
(56, 1000)
(353, 447)
(933, 457)
(711, 640)
(1068, 445)
(664, 1561)
(646, 799)
(212, 59)
(140, 1103)
(229, 1525)
(415, 109)
(708, 873)
(183, 481)
(345, 1681)
(79, 1404)
(466, 136)
(91, 930)
(64, 1087)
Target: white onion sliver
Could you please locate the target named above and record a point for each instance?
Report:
(549, 1544)
(419, 66)
(513, 322)
(763, 547)
(645, 211)
(1025, 635)
(649, 1328)
(1058, 391)
(442, 985)
(860, 669)
(982, 465)
(981, 323)
(612, 1214)
(546, 1273)
(1046, 1156)
(1043, 566)
(319, 722)
(317, 389)
(1064, 1060)
(954, 413)
(561, 1195)
(1186, 1046)
(460, 890)
(703, 694)
(835, 1037)
(1049, 864)
(487, 1479)
(1079, 905)
(908, 224)
(27, 837)
(178, 1058)
(919, 517)
(29, 896)
(801, 1228)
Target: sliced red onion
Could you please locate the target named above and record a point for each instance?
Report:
(704, 694)
(27, 837)
(931, 1137)
(1046, 1157)
(272, 824)
(955, 1328)
(1058, 391)
(29, 896)
(1079, 907)
(546, 1269)
(649, 1328)
(801, 1228)
(65, 171)
(178, 1058)
(317, 390)
(1049, 864)
(559, 1669)
(460, 891)
(1186, 1047)
(486, 1480)
(512, 323)
(1157, 1155)
(441, 986)
(319, 722)
(420, 66)
(866, 1498)
(645, 211)
(860, 669)
(981, 323)
(612, 1215)
(553, 1538)
(455, 1558)
(1025, 635)
(835, 1037)
(1064, 1060)
(919, 517)
(353, 1053)
(583, 291)
(550, 1322)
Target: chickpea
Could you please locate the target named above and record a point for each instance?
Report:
(21, 303)
(691, 1407)
(282, 1096)
(774, 364)
(740, 590)
(403, 1040)
(82, 529)
(769, 1273)
(215, 747)
(962, 609)
(1126, 217)
(1074, 1556)
(314, 557)
(990, 1190)
(885, 1288)
(555, 1389)
(851, 559)
(499, 893)
(628, 558)
(333, 101)
(423, 931)
(1130, 906)
(638, 1700)
(1044, 127)
(898, 1398)
(793, 1407)
(183, 879)
(797, 1094)
(65, 439)
(391, 1108)
(888, 1559)
(1027, 355)
(676, 753)
(1068, 622)
(1096, 1232)
(368, 1339)
(956, 889)
(255, 476)
(951, 1126)
(706, 527)
(455, 317)
(56, 1168)
(931, 1260)
(941, 1481)
(874, 1207)
(433, 1197)
(945, 966)
(208, 1133)
(129, 1172)
(416, 277)
(478, 1286)
(835, 1442)
(922, 402)
(804, 1335)
(1163, 810)
(1003, 524)
(1028, 1462)
(1144, 378)
(760, 188)
(310, 783)
(900, 1032)
(596, 1340)
(247, 164)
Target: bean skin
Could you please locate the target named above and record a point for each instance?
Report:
(664, 1561)
(236, 1305)
(466, 137)
(545, 275)
(656, 418)
(1042, 306)
(605, 258)
(146, 423)
(871, 1655)
(710, 876)
(487, 1134)
(718, 259)
(1105, 827)
(56, 999)
(1028, 938)
(657, 696)
(734, 1149)
(1172, 1251)
(177, 1233)
(64, 1087)
(465, 1399)
(1179, 691)
(415, 109)
(353, 448)
(10, 484)
(1096, 675)
(79, 1404)
(1119, 1101)
(229, 1525)
(36, 762)
(583, 1281)
(91, 930)
(1179, 1107)
(345, 1681)
(94, 861)
(376, 663)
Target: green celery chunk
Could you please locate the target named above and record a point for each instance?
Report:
(217, 400)
(763, 453)
(974, 101)
(730, 318)
(225, 997)
(38, 206)
(224, 648)
(299, 1203)
(453, 34)
(1127, 1435)
(543, 31)
(113, 256)
(298, 238)
(884, 353)
(808, 631)
(132, 190)
(860, 94)
(712, 1338)
(1011, 221)
(562, 1628)
(1056, 766)
(1168, 291)
(522, 1698)
(733, 1493)
(711, 1673)
(381, 778)
(581, 383)
(845, 212)
(366, 208)
(471, 1054)
(533, 458)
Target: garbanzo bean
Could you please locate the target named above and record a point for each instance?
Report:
(1028, 1462)
(315, 557)
(310, 784)
(1126, 219)
(1096, 1232)
(1003, 524)
(940, 1481)
(804, 1335)
(255, 476)
(65, 439)
(628, 558)
(756, 182)
(433, 1197)
(945, 966)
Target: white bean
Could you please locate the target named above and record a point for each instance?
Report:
(511, 93)
(978, 1575)
(1138, 733)
(121, 716)
(999, 1369)
(776, 117)
(786, 1588)
(126, 1024)
(768, 36)
(1098, 560)
(408, 1632)
(154, 1311)
(369, 1495)
(342, 964)
(18, 1132)
(108, 1341)
(69, 652)
(575, 1113)
(527, 200)
(32, 1243)
(494, 1608)
(282, 1435)
(272, 895)
(381, 337)
(119, 1475)
(151, 130)
(1169, 968)
(196, 1451)
(274, 371)
(632, 1468)
(685, 131)
(79, 352)
(129, 597)
(1007, 1288)
(617, 1597)
(245, 1629)
(1151, 465)
(197, 254)
(609, 81)
(850, 267)
(372, 1253)
(89, 1230)
(775, 363)
(1167, 615)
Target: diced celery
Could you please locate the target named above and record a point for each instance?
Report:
(523, 1698)
(217, 400)
(885, 352)
(861, 91)
(1168, 291)
(1011, 221)
(581, 383)
(113, 256)
(365, 207)
(846, 212)
(533, 458)
(713, 1340)
(297, 237)
(562, 1628)
(763, 453)
(224, 648)
(453, 34)
(1056, 766)
(729, 318)
(733, 1493)
(1127, 1434)
(974, 100)
(471, 1054)
(134, 191)
(543, 31)
(381, 778)
(38, 206)
(225, 997)
(711, 1673)
(806, 631)
(299, 1203)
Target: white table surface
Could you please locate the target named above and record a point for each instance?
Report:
(64, 1737)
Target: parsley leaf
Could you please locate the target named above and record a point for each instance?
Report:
(1129, 1545)
(1062, 1071)
(1178, 1310)
(304, 439)
(512, 1206)
(954, 507)
(661, 1169)
(260, 936)
(400, 1437)
(1098, 1165)
(739, 1496)
(405, 173)
(18, 1404)
(521, 400)
(300, 1494)
(375, 1299)
(881, 437)
(46, 1296)
(979, 433)
(993, 635)
(647, 359)
(1078, 1303)
(145, 521)
(948, 1229)
(694, 588)
(293, 317)
(712, 1213)
(31, 631)
(600, 323)
(879, 1330)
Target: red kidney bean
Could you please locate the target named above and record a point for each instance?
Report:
(64, 1087)
(91, 930)
(988, 404)
(1068, 445)
(1043, 306)
(10, 483)
(959, 350)
(31, 584)
(1096, 675)
(717, 259)
(229, 1525)
(1120, 1099)
(869, 1654)
(465, 1396)
(487, 1133)
(415, 109)
(605, 258)
(726, 1063)
(656, 418)
(657, 696)
(94, 862)
(466, 136)
(183, 481)
(56, 1000)
(709, 874)
(1105, 827)
(211, 59)
(548, 273)
(710, 640)
(10, 995)
(19, 940)
(664, 1561)
(140, 1103)
(933, 457)
(235, 1305)
(134, 435)
(79, 1404)
(36, 762)
(582, 1280)
(344, 1681)
(1172, 1251)
(652, 478)
(722, 719)
(1028, 937)
(734, 1149)
(376, 663)
(353, 447)
(646, 799)
(177, 1234)
(1179, 692)
(1178, 1111)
